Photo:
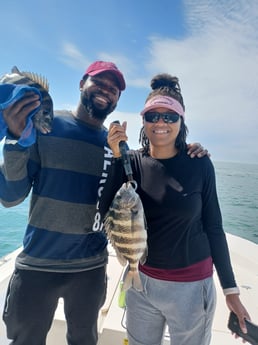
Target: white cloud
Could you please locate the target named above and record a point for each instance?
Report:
(218, 71)
(134, 124)
(72, 56)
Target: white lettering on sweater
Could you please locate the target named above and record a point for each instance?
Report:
(98, 225)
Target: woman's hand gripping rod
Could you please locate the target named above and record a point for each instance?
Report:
(125, 158)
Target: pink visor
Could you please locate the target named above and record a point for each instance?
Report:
(163, 102)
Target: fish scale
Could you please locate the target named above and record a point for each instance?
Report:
(125, 227)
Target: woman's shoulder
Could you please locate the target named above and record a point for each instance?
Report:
(204, 162)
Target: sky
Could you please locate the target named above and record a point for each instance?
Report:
(211, 46)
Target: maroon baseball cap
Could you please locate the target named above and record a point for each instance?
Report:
(103, 66)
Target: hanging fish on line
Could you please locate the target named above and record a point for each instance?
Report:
(126, 229)
(42, 120)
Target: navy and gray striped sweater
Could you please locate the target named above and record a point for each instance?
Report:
(62, 170)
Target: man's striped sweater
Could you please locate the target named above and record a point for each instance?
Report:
(62, 172)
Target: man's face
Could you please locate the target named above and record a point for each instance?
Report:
(100, 94)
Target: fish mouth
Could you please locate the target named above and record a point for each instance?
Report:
(133, 183)
(43, 121)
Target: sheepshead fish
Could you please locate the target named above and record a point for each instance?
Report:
(125, 227)
(42, 120)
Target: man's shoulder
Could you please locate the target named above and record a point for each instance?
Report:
(63, 113)
(63, 116)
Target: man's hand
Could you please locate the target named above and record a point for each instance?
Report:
(196, 150)
(15, 115)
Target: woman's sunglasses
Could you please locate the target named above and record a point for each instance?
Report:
(166, 117)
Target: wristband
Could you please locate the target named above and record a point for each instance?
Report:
(231, 291)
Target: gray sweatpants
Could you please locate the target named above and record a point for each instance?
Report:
(186, 308)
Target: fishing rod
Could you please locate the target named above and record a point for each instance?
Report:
(125, 158)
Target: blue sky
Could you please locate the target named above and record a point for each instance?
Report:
(212, 46)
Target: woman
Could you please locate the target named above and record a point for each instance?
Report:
(184, 227)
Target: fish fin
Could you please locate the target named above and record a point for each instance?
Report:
(42, 81)
(36, 78)
(120, 257)
(132, 279)
(145, 222)
(15, 70)
(144, 256)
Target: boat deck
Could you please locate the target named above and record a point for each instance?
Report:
(244, 255)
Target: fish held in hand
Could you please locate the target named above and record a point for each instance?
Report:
(126, 229)
(42, 120)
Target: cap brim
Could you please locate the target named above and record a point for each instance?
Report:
(118, 75)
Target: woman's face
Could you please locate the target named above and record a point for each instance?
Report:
(160, 133)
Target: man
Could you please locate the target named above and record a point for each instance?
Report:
(64, 254)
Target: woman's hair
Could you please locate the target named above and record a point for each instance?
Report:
(166, 85)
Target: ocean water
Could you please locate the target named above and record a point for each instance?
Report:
(237, 186)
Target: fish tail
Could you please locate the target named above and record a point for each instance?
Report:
(132, 279)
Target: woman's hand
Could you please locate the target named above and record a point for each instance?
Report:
(116, 134)
(16, 114)
(234, 304)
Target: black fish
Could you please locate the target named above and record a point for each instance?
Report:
(42, 120)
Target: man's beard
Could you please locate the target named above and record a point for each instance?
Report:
(92, 110)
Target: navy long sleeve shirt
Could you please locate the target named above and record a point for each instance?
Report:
(184, 227)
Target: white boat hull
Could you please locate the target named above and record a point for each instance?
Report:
(244, 255)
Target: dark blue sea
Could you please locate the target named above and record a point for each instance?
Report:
(237, 186)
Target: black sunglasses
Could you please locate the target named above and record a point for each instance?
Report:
(166, 117)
